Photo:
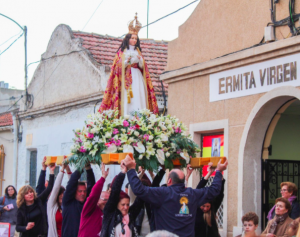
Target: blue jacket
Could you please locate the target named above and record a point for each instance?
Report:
(71, 207)
(9, 216)
(175, 207)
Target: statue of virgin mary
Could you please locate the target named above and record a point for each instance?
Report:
(129, 87)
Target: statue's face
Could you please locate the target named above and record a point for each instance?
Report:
(133, 40)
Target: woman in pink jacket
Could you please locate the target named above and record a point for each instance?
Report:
(92, 215)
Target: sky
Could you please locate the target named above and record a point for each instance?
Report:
(42, 17)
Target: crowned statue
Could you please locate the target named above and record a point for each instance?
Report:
(129, 87)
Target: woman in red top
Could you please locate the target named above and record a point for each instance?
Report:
(54, 205)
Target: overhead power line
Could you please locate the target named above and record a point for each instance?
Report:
(170, 13)
(92, 15)
(11, 44)
(10, 38)
(77, 51)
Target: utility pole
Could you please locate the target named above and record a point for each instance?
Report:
(147, 16)
(25, 48)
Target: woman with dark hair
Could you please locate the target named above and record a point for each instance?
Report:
(54, 204)
(31, 215)
(206, 223)
(8, 208)
(279, 225)
(129, 87)
(118, 217)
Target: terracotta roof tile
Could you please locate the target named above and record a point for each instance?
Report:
(6, 120)
(103, 49)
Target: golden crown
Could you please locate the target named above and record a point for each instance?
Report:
(134, 29)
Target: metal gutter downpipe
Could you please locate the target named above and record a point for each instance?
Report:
(15, 156)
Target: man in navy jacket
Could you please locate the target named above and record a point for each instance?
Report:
(174, 206)
(73, 201)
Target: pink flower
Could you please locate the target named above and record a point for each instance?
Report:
(146, 137)
(82, 149)
(125, 123)
(108, 144)
(118, 143)
(134, 144)
(79, 140)
(132, 127)
(116, 131)
(90, 135)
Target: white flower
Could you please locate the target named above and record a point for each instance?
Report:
(107, 134)
(145, 111)
(185, 156)
(123, 130)
(111, 149)
(96, 139)
(168, 154)
(87, 145)
(130, 140)
(160, 156)
(157, 141)
(123, 138)
(150, 138)
(126, 116)
(140, 147)
(141, 156)
(136, 133)
(77, 130)
(128, 149)
(164, 137)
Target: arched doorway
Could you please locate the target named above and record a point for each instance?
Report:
(280, 156)
(250, 180)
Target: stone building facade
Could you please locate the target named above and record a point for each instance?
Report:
(228, 81)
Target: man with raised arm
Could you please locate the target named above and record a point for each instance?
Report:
(174, 206)
(73, 201)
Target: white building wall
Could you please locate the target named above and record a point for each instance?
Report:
(52, 134)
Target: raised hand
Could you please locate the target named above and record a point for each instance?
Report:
(189, 171)
(52, 168)
(221, 167)
(129, 163)
(123, 167)
(44, 166)
(104, 173)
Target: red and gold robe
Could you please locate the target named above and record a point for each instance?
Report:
(119, 79)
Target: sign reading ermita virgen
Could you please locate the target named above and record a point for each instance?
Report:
(255, 78)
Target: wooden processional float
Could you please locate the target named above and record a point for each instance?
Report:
(116, 158)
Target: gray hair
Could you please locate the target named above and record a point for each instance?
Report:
(161, 233)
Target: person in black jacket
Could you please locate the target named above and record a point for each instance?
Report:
(118, 216)
(73, 201)
(31, 215)
(42, 182)
(206, 224)
(147, 219)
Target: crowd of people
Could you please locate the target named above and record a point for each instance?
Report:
(144, 208)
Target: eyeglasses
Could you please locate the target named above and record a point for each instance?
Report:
(104, 199)
(283, 190)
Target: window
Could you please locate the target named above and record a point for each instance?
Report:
(32, 173)
(213, 145)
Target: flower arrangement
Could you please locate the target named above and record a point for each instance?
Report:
(154, 140)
